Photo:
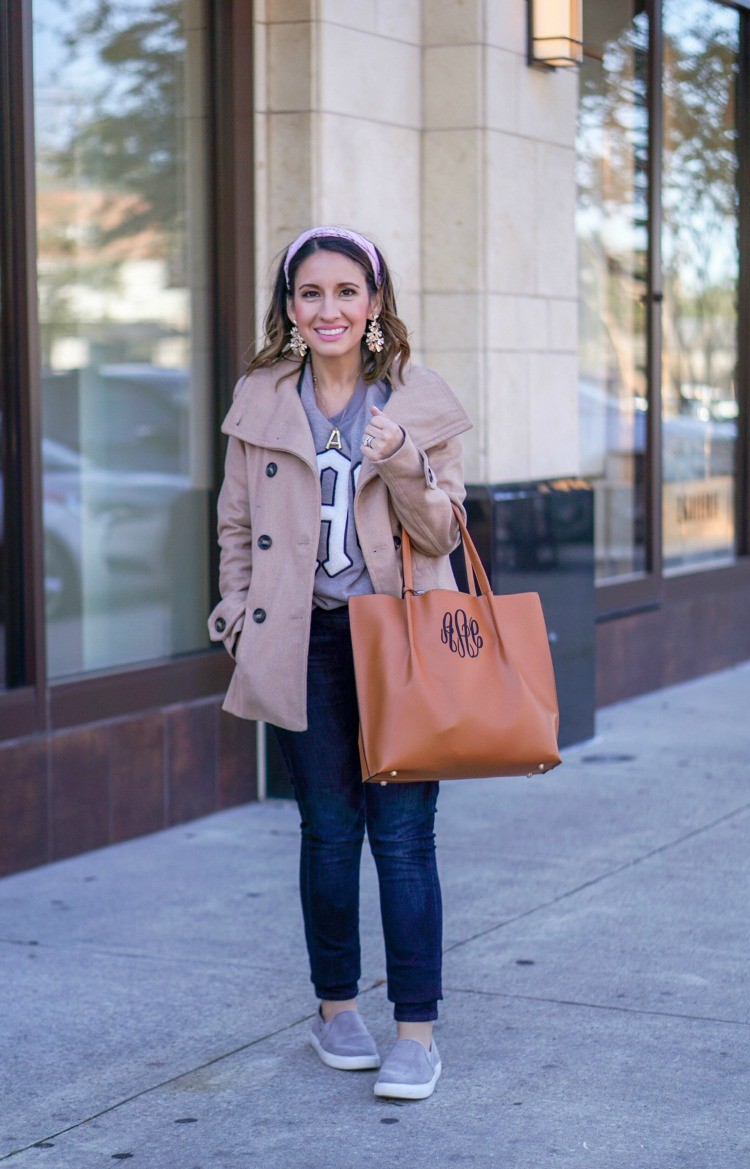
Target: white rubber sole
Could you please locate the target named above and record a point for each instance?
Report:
(409, 1091)
(345, 1063)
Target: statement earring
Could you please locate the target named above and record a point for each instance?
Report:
(297, 343)
(375, 338)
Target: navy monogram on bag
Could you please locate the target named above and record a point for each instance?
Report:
(461, 634)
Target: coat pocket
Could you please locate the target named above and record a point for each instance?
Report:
(226, 620)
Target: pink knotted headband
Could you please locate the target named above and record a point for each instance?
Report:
(342, 233)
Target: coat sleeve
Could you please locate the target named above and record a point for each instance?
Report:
(423, 486)
(236, 544)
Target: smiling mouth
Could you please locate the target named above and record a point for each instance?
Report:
(337, 332)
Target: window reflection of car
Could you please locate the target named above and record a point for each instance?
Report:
(132, 414)
(697, 448)
(610, 422)
(698, 443)
(106, 531)
(62, 529)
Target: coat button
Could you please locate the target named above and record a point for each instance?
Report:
(396, 541)
(259, 616)
(271, 470)
(264, 542)
(220, 624)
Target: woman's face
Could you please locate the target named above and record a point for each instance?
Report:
(331, 303)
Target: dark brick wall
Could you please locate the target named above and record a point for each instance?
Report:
(69, 791)
(73, 790)
(683, 639)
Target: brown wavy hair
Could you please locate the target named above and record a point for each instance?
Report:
(277, 324)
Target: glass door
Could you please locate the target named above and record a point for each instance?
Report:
(700, 252)
(612, 230)
(4, 551)
(122, 135)
(658, 225)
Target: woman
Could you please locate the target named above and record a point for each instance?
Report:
(335, 442)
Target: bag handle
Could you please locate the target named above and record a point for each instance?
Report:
(474, 566)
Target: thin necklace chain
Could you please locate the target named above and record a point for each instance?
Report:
(334, 438)
(346, 407)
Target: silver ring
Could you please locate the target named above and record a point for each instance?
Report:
(367, 440)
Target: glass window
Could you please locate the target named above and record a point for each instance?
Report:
(611, 220)
(121, 132)
(701, 270)
(3, 569)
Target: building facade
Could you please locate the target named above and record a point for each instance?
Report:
(572, 254)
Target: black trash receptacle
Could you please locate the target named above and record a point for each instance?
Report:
(539, 537)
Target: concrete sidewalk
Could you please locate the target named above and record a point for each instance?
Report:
(155, 999)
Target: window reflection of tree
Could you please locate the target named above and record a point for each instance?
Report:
(700, 204)
(131, 140)
(112, 186)
(612, 173)
(613, 189)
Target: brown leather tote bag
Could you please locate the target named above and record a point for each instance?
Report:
(453, 685)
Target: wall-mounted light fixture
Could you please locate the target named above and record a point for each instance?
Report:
(555, 33)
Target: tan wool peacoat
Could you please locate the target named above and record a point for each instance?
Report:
(269, 525)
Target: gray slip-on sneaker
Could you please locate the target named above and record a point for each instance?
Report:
(344, 1043)
(410, 1072)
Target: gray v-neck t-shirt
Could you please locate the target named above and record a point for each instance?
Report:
(340, 572)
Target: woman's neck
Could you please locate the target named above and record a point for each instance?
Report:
(336, 377)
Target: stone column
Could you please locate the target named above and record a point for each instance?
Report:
(498, 244)
(338, 98)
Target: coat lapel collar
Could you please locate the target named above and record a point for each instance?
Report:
(267, 412)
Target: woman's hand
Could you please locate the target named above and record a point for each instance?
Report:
(385, 434)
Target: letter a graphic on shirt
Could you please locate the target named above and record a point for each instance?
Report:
(336, 513)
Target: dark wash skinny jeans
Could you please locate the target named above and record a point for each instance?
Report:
(335, 808)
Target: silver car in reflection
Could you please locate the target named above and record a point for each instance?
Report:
(109, 534)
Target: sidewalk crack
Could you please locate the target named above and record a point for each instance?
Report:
(534, 998)
(155, 1087)
(662, 848)
(172, 1080)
